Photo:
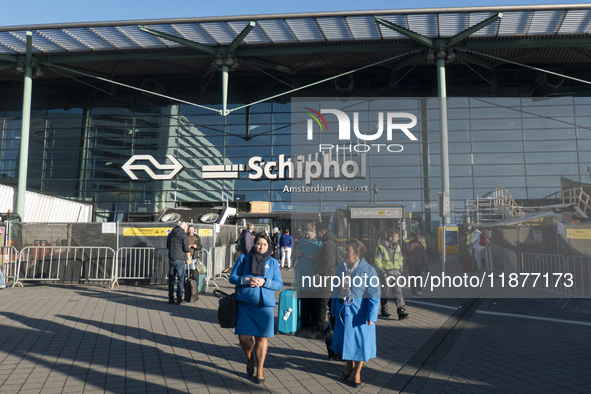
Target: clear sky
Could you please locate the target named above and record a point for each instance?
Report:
(32, 12)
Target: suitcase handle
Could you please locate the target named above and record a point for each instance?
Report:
(223, 293)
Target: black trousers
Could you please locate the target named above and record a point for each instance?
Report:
(320, 310)
(308, 306)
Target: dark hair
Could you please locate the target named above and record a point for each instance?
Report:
(262, 235)
(286, 231)
(322, 228)
(357, 245)
(393, 231)
(190, 225)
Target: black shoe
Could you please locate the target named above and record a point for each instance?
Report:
(403, 315)
(345, 376)
(258, 380)
(250, 372)
(179, 302)
(315, 335)
(356, 385)
(385, 314)
(171, 302)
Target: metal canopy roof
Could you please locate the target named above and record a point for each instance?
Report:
(299, 44)
(292, 29)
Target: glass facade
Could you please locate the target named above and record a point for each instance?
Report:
(527, 145)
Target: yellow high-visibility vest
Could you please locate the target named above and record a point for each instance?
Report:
(469, 238)
(387, 262)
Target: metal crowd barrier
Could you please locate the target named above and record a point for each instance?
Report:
(65, 263)
(549, 264)
(220, 260)
(501, 259)
(9, 262)
(580, 267)
(141, 263)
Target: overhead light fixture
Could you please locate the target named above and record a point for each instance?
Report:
(451, 55)
(37, 73)
(430, 56)
(20, 67)
(218, 61)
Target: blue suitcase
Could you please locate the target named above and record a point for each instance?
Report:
(201, 284)
(289, 312)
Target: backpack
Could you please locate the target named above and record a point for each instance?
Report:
(240, 245)
(483, 239)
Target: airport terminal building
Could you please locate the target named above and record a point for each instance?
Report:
(139, 116)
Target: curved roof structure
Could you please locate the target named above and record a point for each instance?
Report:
(292, 43)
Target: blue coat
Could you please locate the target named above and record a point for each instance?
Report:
(256, 296)
(305, 266)
(352, 336)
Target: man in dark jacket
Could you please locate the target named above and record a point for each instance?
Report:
(245, 241)
(177, 244)
(416, 258)
(325, 266)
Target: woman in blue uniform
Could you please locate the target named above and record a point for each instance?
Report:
(257, 276)
(355, 306)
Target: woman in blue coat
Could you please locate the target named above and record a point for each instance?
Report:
(355, 306)
(257, 276)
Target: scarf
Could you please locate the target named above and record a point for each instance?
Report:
(346, 286)
(258, 260)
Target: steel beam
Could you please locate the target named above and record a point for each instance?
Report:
(224, 89)
(188, 43)
(8, 58)
(405, 32)
(25, 128)
(464, 34)
(240, 37)
(474, 60)
(268, 65)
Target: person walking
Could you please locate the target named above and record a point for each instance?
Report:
(257, 276)
(416, 257)
(245, 241)
(477, 249)
(325, 266)
(355, 309)
(389, 263)
(285, 246)
(177, 244)
(307, 252)
(275, 241)
(194, 245)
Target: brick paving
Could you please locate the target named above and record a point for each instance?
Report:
(79, 338)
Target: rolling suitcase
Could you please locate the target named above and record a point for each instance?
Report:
(191, 287)
(289, 312)
(201, 284)
(467, 264)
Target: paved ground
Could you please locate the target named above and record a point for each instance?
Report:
(64, 338)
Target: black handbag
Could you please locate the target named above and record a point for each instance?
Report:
(226, 309)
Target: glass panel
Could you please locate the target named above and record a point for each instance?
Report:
(480, 147)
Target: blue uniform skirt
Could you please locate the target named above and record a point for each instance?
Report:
(258, 321)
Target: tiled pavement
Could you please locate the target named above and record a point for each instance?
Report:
(65, 338)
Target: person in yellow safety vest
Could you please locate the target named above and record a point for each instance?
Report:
(468, 235)
(389, 262)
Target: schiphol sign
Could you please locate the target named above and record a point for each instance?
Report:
(302, 168)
